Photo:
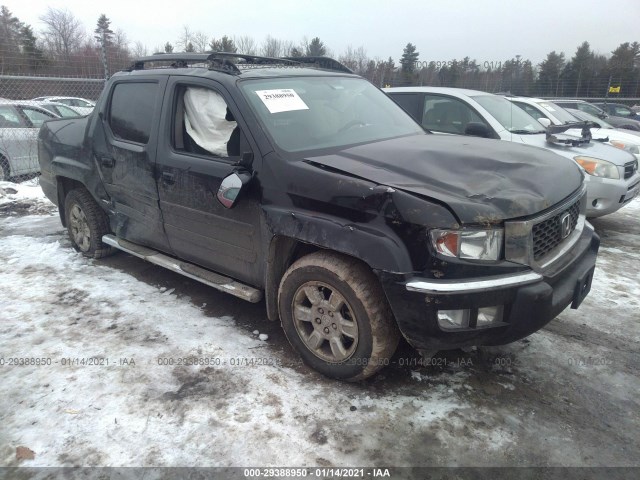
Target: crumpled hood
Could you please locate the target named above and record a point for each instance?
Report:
(594, 148)
(482, 181)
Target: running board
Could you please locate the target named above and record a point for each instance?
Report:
(215, 280)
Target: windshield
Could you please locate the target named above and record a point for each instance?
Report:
(510, 116)
(590, 118)
(557, 111)
(309, 113)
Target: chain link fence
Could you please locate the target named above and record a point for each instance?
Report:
(26, 102)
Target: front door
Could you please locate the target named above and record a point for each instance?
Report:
(204, 136)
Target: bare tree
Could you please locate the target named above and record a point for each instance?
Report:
(186, 36)
(246, 45)
(139, 50)
(64, 33)
(271, 47)
(200, 42)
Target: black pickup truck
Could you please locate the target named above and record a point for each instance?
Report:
(297, 182)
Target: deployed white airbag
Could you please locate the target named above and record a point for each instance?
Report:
(205, 112)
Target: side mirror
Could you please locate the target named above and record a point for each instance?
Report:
(545, 122)
(477, 129)
(230, 188)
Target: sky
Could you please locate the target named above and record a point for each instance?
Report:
(487, 30)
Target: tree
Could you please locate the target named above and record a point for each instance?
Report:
(185, 38)
(296, 52)
(315, 48)
(576, 72)
(225, 44)
(190, 48)
(408, 64)
(550, 71)
(34, 56)
(10, 28)
(246, 45)
(200, 42)
(103, 30)
(63, 34)
(624, 67)
(409, 59)
(271, 47)
(168, 48)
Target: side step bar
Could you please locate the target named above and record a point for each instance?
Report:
(215, 280)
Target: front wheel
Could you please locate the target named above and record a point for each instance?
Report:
(335, 315)
(86, 224)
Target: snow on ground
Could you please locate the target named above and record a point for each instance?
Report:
(564, 396)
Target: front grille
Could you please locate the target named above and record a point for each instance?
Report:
(630, 168)
(548, 234)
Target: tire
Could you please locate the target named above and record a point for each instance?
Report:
(5, 170)
(86, 224)
(336, 316)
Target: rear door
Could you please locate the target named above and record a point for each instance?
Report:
(124, 149)
(190, 170)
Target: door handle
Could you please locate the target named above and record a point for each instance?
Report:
(168, 178)
(107, 161)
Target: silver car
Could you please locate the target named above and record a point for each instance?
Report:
(19, 126)
(612, 174)
(81, 105)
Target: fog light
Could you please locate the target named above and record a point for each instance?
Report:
(452, 319)
(489, 315)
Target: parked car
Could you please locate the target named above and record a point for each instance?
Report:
(60, 109)
(618, 110)
(612, 180)
(548, 113)
(19, 125)
(81, 105)
(618, 122)
(310, 188)
(584, 116)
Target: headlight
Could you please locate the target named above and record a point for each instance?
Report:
(598, 167)
(471, 244)
(629, 147)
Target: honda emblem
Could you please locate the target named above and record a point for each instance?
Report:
(565, 225)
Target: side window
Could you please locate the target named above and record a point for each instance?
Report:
(409, 102)
(36, 117)
(204, 125)
(448, 115)
(622, 111)
(132, 110)
(9, 118)
(534, 112)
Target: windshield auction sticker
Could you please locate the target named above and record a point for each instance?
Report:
(281, 100)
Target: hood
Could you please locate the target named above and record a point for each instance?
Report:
(482, 181)
(594, 149)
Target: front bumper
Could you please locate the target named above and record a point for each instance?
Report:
(606, 196)
(531, 300)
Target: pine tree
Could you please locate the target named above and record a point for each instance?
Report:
(316, 48)
(103, 30)
(168, 48)
(34, 56)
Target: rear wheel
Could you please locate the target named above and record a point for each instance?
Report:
(335, 315)
(86, 224)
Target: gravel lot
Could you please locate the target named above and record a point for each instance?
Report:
(565, 396)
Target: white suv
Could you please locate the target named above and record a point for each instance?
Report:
(612, 181)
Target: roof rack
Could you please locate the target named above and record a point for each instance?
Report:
(223, 61)
(321, 62)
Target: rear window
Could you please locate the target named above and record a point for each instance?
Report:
(132, 110)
